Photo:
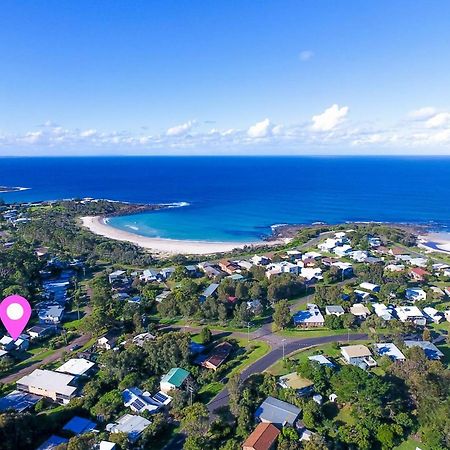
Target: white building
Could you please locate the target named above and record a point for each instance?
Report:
(358, 355)
(79, 367)
(410, 314)
(59, 387)
(389, 349)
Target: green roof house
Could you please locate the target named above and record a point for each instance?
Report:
(174, 379)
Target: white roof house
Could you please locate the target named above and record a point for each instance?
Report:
(56, 386)
(76, 366)
(360, 310)
(362, 295)
(334, 310)
(389, 349)
(358, 355)
(410, 314)
(343, 250)
(311, 317)
(383, 311)
(415, 294)
(431, 351)
(328, 245)
(51, 314)
(419, 262)
(131, 425)
(395, 267)
(370, 287)
(311, 272)
(433, 315)
(139, 401)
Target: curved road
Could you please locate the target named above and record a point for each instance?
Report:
(262, 364)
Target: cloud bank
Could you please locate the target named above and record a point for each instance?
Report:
(425, 130)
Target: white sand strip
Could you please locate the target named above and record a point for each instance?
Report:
(97, 225)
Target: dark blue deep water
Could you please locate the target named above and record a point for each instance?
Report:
(239, 198)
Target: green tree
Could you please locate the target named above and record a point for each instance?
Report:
(205, 336)
(108, 404)
(195, 421)
(282, 314)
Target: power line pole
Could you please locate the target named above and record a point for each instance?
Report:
(283, 341)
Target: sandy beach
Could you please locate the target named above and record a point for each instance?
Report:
(439, 242)
(98, 225)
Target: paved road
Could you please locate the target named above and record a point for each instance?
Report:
(292, 345)
(82, 340)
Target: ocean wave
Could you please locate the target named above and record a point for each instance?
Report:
(132, 227)
(7, 189)
(177, 204)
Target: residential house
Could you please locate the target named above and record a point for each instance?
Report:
(358, 355)
(52, 314)
(415, 294)
(161, 297)
(18, 401)
(208, 292)
(263, 437)
(383, 311)
(78, 367)
(311, 273)
(192, 270)
(394, 268)
(228, 266)
(59, 387)
(212, 271)
(20, 344)
(176, 378)
(431, 351)
(343, 250)
(258, 260)
(418, 274)
(245, 265)
(118, 276)
(389, 349)
(447, 290)
(410, 314)
(79, 425)
(149, 275)
(166, 273)
(370, 287)
(419, 262)
(447, 315)
(139, 401)
(334, 310)
(362, 295)
(132, 426)
(360, 311)
(309, 318)
(218, 356)
(106, 445)
(142, 338)
(41, 331)
(109, 340)
(254, 306)
(345, 268)
(322, 360)
(52, 442)
(433, 315)
(359, 255)
(277, 412)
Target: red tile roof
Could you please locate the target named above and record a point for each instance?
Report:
(262, 438)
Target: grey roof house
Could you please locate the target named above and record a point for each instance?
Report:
(277, 412)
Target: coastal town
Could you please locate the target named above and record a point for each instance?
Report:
(337, 337)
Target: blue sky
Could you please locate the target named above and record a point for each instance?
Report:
(240, 77)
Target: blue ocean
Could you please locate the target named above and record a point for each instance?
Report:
(239, 198)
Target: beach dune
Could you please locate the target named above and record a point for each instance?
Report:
(98, 225)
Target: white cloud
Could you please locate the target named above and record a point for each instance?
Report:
(88, 133)
(438, 120)
(306, 55)
(180, 130)
(260, 129)
(330, 118)
(422, 113)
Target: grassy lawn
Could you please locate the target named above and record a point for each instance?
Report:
(254, 351)
(344, 415)
(209, 391)
(318, 332)
(260, 348)
(411, 444)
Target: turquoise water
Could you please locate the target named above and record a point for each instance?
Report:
(239, 198)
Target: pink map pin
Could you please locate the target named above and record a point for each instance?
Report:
(15, 312)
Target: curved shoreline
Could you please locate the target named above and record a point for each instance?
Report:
(97, 225)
